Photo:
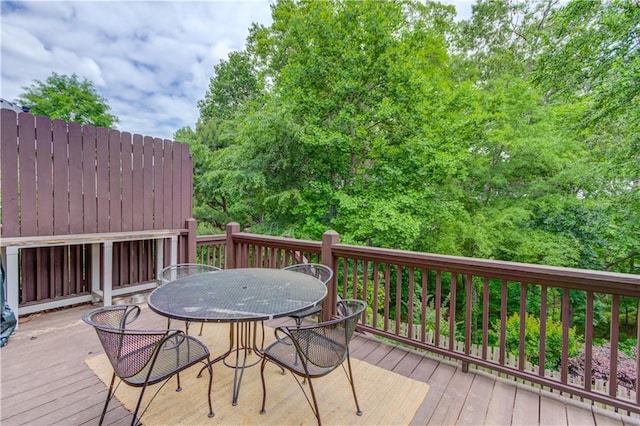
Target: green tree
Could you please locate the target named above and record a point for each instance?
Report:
(235, 83)
(355, 84)
(398, 128)
(67, 98)
(551, 178)
(590, 59)
(502, 37)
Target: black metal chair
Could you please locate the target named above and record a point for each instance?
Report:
(179, 270)
(321, 272)
(313, 351)
(144, 357)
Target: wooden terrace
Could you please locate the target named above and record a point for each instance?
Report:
(122, 211)
(46, 382)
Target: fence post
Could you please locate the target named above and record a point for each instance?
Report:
(230, 250)
(330, 238)
(191, 225)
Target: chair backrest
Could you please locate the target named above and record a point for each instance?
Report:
(173, 272)
(326, 344)
(129, 351)
(321, 272)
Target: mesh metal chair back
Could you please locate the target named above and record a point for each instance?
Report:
(174, 272)
(326, 344)
(313, 351)
(144, 357)
(317, 270)
(179, 270)
(321, 272)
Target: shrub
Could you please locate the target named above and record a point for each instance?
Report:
(600, 356)
(553, 341)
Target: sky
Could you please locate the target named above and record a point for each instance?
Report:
(151, 61)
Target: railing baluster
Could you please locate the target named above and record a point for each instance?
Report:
(523, 324)
(485, 317)
(503, 321)
(543, 331)
(615, 331)
(588, 341)
(565, 336)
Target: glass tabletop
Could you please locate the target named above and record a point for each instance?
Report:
(244, 294)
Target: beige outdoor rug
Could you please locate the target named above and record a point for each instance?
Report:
(386, 398)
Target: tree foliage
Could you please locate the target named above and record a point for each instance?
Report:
(398, 127)
(67, 98)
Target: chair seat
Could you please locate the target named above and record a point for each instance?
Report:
(312, 351)
(328, 355)
(177, 354)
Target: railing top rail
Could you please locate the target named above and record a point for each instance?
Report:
(282, 242)
(561, 277)
(216, 238)
(589, 280)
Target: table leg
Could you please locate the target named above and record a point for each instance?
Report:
(245, 344)
(243, 340)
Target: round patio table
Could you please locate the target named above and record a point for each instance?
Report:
(241, 297)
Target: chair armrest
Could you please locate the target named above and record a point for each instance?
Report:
(131, 310)
(282, 335)
(172, 340)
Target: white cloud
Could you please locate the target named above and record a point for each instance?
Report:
(151, 61)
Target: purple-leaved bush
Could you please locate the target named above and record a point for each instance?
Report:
(600, 357)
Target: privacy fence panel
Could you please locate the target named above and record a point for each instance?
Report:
(60, 178)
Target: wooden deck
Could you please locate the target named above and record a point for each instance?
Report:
(44, 381)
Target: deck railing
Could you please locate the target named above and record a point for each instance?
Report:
(411, 295)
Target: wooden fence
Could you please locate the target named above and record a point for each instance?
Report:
(70, 189)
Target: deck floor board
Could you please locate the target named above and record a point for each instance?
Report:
(551, 414)
(526, 407)
(475, 405)
(44, 381)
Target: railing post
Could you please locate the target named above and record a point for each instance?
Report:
(330, 238)
(191, 226)
(230, 249)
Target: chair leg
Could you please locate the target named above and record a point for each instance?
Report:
(264, 387)
(210, 368)
(295, 361)
(109, 396)
(179, 388)
(353, 387)
(135, 421)
(315, 409)
(262, 346)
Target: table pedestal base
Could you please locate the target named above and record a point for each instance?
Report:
(243, 341)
